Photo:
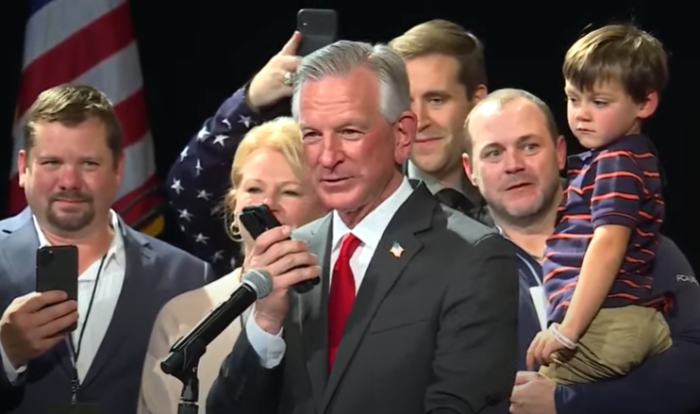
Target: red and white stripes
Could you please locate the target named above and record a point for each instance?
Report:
(91, 42)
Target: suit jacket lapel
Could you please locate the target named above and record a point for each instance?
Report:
(385, 269)
(314, 322)
(20, 255)
(140, 262)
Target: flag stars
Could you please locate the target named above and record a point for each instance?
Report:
(218, 255)
(203, 134)
(177, 186)
(184, 153)
(184, 214)
(200, 238)
(198, 168)
(219, 139)
(245, 120)
(204, 195)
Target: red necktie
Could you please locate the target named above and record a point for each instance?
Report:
(342, 295)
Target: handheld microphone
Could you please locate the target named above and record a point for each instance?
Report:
(256, 284)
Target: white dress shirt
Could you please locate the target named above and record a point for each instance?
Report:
(369, 231)
(107, 293)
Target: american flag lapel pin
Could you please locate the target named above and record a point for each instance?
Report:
(396, 250)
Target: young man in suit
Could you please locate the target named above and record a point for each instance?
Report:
(416, 309)
(447, 70)
(70, 169)
(514, 155)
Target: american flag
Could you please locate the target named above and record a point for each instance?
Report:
(93, 42)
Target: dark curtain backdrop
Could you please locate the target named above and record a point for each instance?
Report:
(195, 54)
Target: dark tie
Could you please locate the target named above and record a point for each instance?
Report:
(342, 295)
(456, 200)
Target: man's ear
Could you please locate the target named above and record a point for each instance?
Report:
(561, 152)
(469, 169)
(119, 168)
(479, 94)
(22, 167)
(405, 132)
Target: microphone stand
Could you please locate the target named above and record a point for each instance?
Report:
(183, 365)
(183, 360)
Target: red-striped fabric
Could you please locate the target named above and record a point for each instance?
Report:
(91, 42)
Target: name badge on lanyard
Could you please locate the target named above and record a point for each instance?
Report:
(539, 299)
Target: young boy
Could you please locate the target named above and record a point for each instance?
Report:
(603, 317)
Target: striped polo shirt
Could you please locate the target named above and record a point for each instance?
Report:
(618, 184)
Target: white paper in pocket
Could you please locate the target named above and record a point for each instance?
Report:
(539, 299)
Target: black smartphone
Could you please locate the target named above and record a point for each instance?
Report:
(258, 219)
(318, 27)
(57, 269)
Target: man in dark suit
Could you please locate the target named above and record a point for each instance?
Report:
(70, 170)
(416, 311)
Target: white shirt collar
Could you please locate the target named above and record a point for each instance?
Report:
(114, 248)
(371, 228)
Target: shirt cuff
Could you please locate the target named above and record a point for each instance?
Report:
(11, 372)
(270, 348)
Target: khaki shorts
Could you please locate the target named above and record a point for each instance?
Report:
(618, 340)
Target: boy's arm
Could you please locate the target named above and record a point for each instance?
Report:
(665, 383)
(615, 203)
(600, 266)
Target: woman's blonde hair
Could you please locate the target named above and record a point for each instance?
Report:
(281, 134)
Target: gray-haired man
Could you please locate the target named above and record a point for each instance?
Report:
(416, 311)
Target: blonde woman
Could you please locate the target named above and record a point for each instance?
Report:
(269, 168)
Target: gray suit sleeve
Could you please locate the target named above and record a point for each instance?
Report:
(475, 360)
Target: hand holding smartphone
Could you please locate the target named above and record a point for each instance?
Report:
(257, 219)
(34, 323)
(57, 269)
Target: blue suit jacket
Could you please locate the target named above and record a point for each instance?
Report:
(9, 225)
(155, 273)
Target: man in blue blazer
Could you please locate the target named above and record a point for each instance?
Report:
(71, 169)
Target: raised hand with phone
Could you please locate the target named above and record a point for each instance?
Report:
(315, 28)
(262, 99)
(268, 87)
